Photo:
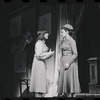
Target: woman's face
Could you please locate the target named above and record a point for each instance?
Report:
(63, 33)
(46, 35)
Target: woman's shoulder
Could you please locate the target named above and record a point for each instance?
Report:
(39, 42)
(71, 40)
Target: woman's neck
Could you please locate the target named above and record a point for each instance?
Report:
(67, 36)
(43, 41)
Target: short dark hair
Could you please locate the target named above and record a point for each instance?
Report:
(40, 34)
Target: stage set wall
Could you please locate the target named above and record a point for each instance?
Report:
(9, 84)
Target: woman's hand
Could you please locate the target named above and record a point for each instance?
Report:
(66, 66)
(51, 52)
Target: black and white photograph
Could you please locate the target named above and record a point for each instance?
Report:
(49, 50)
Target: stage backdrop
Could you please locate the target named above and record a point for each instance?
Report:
(15, 29)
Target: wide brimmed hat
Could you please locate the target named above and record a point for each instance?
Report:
(68, 26)
(41, 32)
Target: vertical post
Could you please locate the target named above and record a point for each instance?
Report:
(94, 85)
(20, 88)
(93, 70)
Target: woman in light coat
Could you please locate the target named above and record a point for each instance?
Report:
(38, 75)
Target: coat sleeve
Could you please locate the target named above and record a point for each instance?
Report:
(38, 48)
(39, 51)
(74, 52)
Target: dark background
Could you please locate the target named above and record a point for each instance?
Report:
(88, 41)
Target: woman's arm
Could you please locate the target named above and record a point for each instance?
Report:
(39, 51)
(74, 50)
(46, 54)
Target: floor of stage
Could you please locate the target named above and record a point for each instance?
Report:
(80, 95)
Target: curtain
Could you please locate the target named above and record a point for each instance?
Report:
(71, 14)
(99, 6)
